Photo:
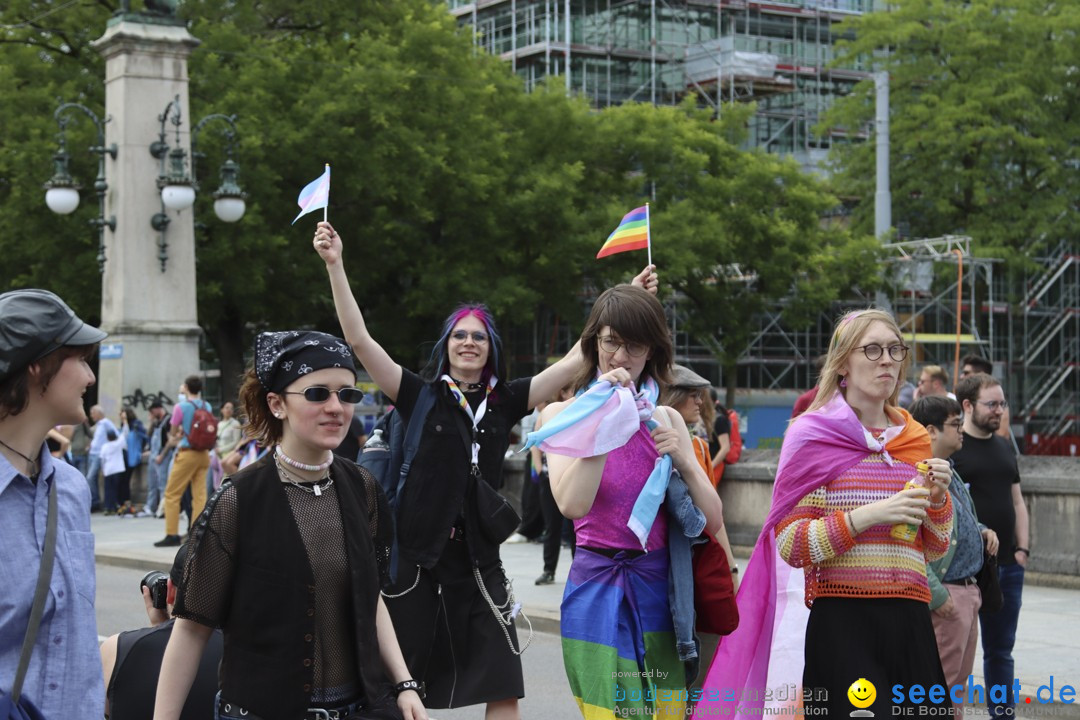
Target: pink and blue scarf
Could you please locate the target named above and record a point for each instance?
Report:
(604, 418)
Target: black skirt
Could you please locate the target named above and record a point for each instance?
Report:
(888, 641)
(449, 635)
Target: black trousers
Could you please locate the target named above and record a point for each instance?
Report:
(532, 521)
(554, 525)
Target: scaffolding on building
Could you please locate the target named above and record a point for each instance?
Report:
(776, 54)
(1049, 358)
(1034, 342)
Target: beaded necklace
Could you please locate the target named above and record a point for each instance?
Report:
(280, 455)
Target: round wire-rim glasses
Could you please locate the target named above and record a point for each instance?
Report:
(610, 345)
(874, 351)
(477, 337)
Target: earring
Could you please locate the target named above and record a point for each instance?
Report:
(843, 381)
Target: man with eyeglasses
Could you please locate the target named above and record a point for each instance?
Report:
(988, 463)
(954, 594)
(971, 364)
(190, 466)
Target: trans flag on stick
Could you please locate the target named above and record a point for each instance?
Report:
(632, 234)
(315, 196)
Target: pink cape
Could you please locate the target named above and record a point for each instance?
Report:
(764, 655)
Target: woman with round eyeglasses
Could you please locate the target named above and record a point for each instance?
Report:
(627, 645)
(289, 558)
(451, 601)
(840, 488)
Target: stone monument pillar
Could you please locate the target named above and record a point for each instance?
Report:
(147, 306)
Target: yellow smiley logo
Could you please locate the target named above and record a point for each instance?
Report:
(862, 693)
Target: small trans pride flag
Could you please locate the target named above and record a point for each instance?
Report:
(315, 196)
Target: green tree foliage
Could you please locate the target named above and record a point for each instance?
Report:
(735, 232)
(442, 187)
(450, 183)
(45, 54)
(983, 122)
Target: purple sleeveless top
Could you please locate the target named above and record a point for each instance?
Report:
(625, 473)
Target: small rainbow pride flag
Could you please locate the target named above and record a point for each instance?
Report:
(632, 233)
(315, 195)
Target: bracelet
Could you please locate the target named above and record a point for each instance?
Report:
(1027, 553)
(940, 504)
(415, 685)
(851, 521)
(734, 569)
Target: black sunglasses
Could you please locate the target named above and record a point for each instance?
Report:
(321, 393)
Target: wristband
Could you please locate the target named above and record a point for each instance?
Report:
(410, 684)
(1027, 553)
(851, 521)
(735, 570)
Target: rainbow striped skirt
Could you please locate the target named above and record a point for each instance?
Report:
(618, 638)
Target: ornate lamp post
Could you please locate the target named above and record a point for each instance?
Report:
(229, 203)
(178, 188)
(62, 192)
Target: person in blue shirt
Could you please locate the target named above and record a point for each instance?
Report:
(44, 373)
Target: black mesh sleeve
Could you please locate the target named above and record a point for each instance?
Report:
(203, 595)
(380, 524)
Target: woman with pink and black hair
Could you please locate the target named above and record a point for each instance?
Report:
(439, 363)
(452, 605)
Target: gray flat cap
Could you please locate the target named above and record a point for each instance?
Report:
(687, 378)
(33, 323)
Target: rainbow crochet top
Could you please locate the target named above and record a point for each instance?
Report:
(815, 537)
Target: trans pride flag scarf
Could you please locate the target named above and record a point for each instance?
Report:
(766, 650)
(600, 420)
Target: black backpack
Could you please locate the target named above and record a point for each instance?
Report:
(389, 461)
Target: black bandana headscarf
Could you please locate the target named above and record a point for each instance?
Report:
(282, 357)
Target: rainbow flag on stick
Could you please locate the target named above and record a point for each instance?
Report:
(632, 234)
(315, 195)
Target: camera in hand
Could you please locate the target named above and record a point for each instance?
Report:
(158, 582)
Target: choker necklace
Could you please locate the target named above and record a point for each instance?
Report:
(34, 469)
(469, 387)
(280, 454)
(314, 488)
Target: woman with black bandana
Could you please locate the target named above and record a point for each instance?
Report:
(288, 559)
(451, 603)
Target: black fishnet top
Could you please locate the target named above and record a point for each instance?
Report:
(211, 567)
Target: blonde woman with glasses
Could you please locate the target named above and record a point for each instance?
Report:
(840, 488)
